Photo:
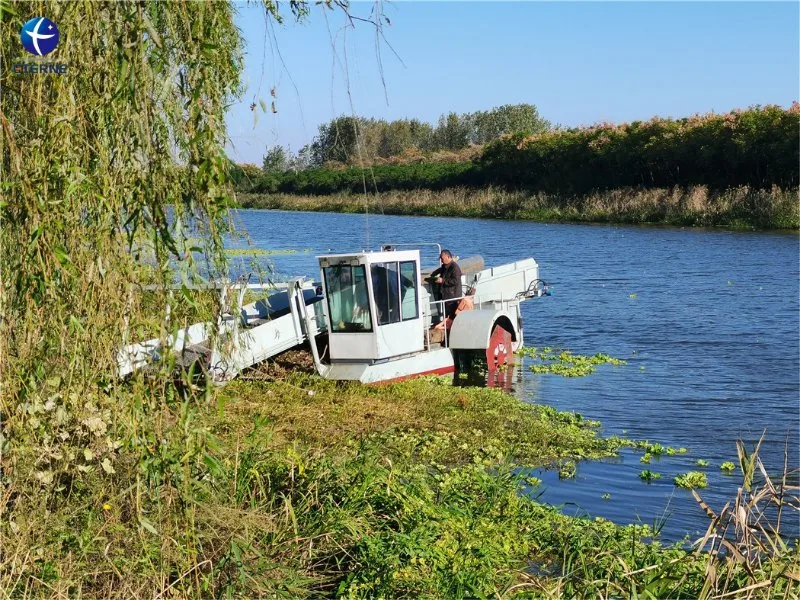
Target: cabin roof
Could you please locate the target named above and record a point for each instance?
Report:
(372, 256)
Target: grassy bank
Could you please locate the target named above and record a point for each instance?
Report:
(737, 208)
(300, 487)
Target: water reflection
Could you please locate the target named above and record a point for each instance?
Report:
(510, 380)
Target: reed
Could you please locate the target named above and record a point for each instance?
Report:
(749, 555)
(696, 206)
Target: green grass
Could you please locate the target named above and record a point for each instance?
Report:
(301, 487)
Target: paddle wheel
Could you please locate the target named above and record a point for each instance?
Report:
(499, 352)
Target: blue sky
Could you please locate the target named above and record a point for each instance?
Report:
(579, 63)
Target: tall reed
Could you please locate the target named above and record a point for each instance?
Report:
(739, 208)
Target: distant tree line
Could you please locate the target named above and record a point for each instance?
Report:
(360, 141)
(757, 147)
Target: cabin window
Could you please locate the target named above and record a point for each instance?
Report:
(348, 298)
(385, 288)
(409, 304)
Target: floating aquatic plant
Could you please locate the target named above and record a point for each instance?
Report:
(692, 480)
(648, 475)
(727, 467)
(702, 463)
(565, 363)
(532, 481)
(257, 251)
(567, 470)
(651, 450)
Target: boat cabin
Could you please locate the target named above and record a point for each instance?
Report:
(374, 304)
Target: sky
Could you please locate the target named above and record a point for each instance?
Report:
(580, 63)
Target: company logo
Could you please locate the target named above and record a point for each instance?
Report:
(39, 36)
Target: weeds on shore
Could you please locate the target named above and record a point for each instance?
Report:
(748, 554)
(695, 206)
(268, 490)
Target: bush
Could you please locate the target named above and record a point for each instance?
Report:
(757, 147)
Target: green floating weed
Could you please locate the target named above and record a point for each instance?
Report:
(652, 450)
(257, 251)
(606, 496)
(727, 467)
(691, 480)
(565, 363)
(532, 481)
(567, 470)
(648, 475)
(702, 463)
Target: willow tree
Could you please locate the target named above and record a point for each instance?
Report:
(112, 174)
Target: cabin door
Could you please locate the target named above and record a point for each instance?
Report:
(396, 307)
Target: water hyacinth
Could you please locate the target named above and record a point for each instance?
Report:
(565, 363)
(691, 480)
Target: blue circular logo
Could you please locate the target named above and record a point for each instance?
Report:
(39, 36)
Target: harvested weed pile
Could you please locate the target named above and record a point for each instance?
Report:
(278, 367)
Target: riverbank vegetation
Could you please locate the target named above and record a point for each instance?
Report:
(300, 487)
(735, 169)
(736, 208)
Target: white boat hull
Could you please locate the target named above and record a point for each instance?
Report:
(433, 362)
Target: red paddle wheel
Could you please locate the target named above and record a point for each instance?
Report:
(499, 351)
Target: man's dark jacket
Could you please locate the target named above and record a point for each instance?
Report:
(451, 280)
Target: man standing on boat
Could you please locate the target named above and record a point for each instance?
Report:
(449, 277)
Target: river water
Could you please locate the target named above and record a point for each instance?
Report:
(706, 320)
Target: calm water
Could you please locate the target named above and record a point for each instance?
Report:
(707, 320)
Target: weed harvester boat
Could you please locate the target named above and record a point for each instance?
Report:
(373, 317)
